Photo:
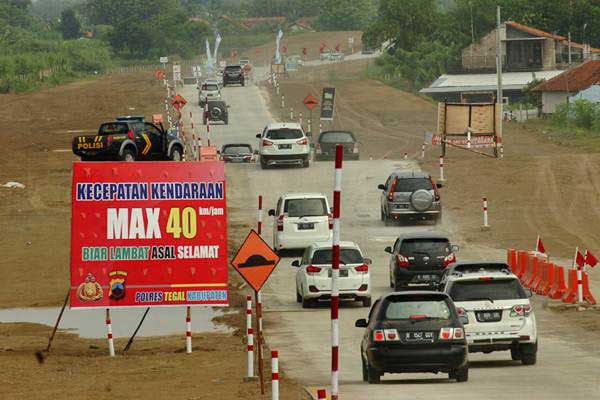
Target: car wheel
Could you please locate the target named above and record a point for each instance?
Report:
(204, 120)
(514, 353)
(127, 155)
(373, 376)
(461, 375)
(438, 218)
(307, 303)
(298, 297)
(399, 287)
(176, 154)
(263, 164)
(528, 354)
(366, 302)
(226, 121)
(365, 374)
(305, 164)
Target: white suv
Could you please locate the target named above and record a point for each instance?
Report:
(284, 144)
(301, 219)
(500, 315)
(313, 279)
(209, 89)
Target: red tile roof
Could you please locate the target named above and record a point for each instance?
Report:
(252, 22)
(574, 79)
(541, 33)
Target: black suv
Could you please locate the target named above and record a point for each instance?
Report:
(233, 74)
(419, 258)
(413, 332)
(218, 110)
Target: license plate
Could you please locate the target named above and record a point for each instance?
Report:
(343, 273)
(284, 146)
(488, 316)
(419, 336)
(306, 226)
(402, 206)
(425, 278)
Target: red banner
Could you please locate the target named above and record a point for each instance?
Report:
(148, 234)
(476, 141)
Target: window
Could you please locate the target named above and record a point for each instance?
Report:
(337, 137)
(347, 256)
(402, 309)
(237, 150)
(494, 289)
(305, 207)
(413, 184)
(114, 128)
(284, 134)
(210, 87)
(152, 130)
(429, 247)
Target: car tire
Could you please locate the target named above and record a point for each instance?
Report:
(305, 163)
(263, 164)
(307, 303)
(127, 155)
(176, 154)
(226, 121)
(528, 354)
(243, 83)
(399, 288)
(461, 374)
(366, 302)
(365, 373)
(298, 297)
(204, 120)
(373, 376)
(515, 355)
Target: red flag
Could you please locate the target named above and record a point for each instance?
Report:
(579, 259)
(539, 246)
(590, 259)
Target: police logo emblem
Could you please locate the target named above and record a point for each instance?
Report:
(89, 290)
(116, 285)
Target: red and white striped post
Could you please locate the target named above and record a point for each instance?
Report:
(260, 214)
(485, 213)
(291, 113)
(406, 156)
(188, 330)
(250, 333)
(579, 277)
(109, 334)
(423, 150)
(259, 294)
(335, 272)
(274, 375)
(441, 169)
(207, 120)
(300, 118)
(321, 394)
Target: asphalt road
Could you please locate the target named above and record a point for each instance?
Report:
(568, 360)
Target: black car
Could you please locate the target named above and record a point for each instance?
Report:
(419, 259)
(217, 110)
(233, 74)
(413, 332)
(237, 153)
(129, 138)
(327, 142)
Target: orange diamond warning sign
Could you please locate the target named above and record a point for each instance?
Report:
(255, 261)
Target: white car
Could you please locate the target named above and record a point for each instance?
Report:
(209, 89)
(283, 144)
(313, 279)
(500, 315)
(301, 219)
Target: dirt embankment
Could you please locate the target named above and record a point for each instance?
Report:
(35, 224)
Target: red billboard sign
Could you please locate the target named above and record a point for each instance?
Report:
(148, 234)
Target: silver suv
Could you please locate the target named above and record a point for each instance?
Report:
(413, 195)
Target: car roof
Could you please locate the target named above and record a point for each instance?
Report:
(423, 235)
(465, 270)
(233, 65)
(430, 293)
(410, 174)
(236, 144)
(337, 131)
(280, 125)
(301, 195)
(327, 244)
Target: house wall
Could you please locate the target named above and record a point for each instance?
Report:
(481, 55)
(552, 99)
(549, 54)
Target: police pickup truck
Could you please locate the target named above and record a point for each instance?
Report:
(128, 139)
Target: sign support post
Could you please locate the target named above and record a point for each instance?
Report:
(109, 334)
(259, 344)
(188, 330)
(335, 272)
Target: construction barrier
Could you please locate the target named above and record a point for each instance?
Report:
(558, 289)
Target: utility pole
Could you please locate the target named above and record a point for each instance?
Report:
(570, 49)
(499, 65)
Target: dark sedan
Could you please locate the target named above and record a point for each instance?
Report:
(237, 153)
(328, 140)
(414, 332)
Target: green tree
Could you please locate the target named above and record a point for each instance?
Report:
(338, 15)
(69, 24)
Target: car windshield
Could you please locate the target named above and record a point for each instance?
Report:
(237, 150)
(347, 256)
(413, 184)
(236, 68)
(284, 134)
(425, 308)
(305, 207)
(336, 137)
(210, 87)
(430, 247)
(487, 289)
(114, 128)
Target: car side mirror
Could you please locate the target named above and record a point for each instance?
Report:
(388, 250)
(528, 293)
(464, 319)
(258, 136)
(271, 213)
(381, 187)
(439, 185)
(361, 323)
(368, 261)
(330, 209)
(455, 248)
(295, 263)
